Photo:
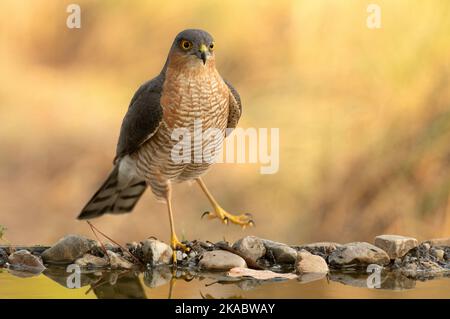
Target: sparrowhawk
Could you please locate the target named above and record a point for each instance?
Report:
(189, 88)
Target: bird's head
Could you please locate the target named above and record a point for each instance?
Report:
(193, 48)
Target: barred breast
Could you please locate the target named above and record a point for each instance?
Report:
(190, 97)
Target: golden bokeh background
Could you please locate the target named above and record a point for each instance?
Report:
(364, 116)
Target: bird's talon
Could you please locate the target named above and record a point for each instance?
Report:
(205, 214)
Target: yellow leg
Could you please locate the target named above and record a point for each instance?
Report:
(174, 242)
(243, 220)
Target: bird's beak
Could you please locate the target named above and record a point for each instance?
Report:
(203, 52)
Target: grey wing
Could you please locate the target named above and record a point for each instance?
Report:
(143, 117)
(235, 107)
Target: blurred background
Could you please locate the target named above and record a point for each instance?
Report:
(364, 116)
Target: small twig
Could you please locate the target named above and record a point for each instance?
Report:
(113, 241)
(98, 239)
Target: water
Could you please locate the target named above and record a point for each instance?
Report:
(163, 283)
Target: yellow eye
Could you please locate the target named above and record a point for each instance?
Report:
(185, 44)
(212, 45)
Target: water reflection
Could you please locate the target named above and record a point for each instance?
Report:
(163, 280)
(391, 280)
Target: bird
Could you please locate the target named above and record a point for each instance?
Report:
(189, 88)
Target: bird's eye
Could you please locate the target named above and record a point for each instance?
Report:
(185, 44)
(211, 46)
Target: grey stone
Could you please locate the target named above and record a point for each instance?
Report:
(112, 247)
(3, 257)
(118, 262)
(133, 245)
(323, 249)
(91, 261)
(68, 249)
(179, 255)
(395, 246)
(282, 253)
(220, 260)
(251, 247)
(192, 254)
(156, 252)
(309, 263)
(422, 269)
(438, 253)
(22, 260)
(358, 254)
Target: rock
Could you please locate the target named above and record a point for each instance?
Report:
(438, 253)
(3, 257)
(425, 246)
(192, 254)
(439, 242)
(309, 263)
(395, 246)
(323, 249)
(220, 260)
(133, 245)
(68, 249)
(91, 261)
(358, 254)
(22, 260)
(118, 262)
(251, 247)
(281, 253)
(422, 269)
(156, 252)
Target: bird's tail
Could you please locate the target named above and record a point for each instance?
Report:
(114, 198)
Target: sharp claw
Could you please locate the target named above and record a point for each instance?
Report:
(225, 220)
(251, 222)
(205, 214)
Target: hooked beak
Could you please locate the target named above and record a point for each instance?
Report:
(203, 53)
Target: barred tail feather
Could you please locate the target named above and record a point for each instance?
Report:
(112, 198)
